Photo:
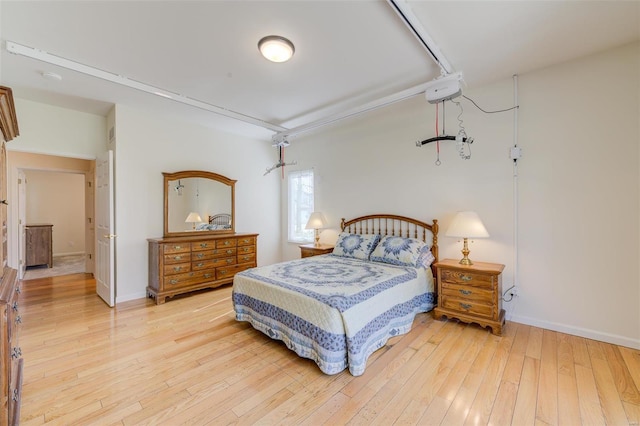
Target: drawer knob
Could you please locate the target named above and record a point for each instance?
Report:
(465, 306)
(229, 261)
(226, 243)
(15, 306)
(203, 245)
(466, 292)
(173, 281)
(177, 258)
(177, 247)
(177, 268)
(466, 278)
(200, 264)
(207, 275)
(18, 290)
(200, 255)
(18, 319)
(229, 251)
(16, 395)
(223, 271)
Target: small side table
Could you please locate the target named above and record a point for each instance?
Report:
(471, 293)
(308, 250)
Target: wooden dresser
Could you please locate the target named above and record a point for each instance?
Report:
(183, 264)
(470, 293)
(10, 352)
(39, 244)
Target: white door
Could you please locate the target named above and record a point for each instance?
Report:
(22, 223)
(105, 285)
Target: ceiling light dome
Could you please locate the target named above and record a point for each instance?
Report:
(276, 48)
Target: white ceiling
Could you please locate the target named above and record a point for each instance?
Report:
(348, 53)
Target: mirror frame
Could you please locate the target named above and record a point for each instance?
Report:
(198, 174)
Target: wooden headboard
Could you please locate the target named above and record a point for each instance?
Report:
(388, 224)
(220, 219)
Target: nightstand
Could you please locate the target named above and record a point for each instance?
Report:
(308, 250)
(470, 293)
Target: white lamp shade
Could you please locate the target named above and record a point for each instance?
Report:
(276, 48)
(193, 217)
(316, 221)
(467, 225)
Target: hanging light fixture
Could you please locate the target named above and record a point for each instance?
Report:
(276, 48)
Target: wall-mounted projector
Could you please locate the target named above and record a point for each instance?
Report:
(444, 88)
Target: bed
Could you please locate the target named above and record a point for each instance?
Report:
(339, 308)
(215, 222)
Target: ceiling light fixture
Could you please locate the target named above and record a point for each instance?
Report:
(276, 48)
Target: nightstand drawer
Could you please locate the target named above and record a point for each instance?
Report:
(466, 278)
(468, 306)
(475, 294)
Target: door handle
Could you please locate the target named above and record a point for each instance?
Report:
(110, 236)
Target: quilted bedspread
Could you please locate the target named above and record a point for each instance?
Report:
(332, 309)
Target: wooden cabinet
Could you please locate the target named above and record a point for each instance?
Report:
(39, 244)
(10, 352)
(183, 264)
(470, 293)
(308, 250)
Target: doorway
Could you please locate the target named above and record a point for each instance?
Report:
(52, 190)
(54, 206)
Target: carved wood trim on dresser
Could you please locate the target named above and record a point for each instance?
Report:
(180, 265)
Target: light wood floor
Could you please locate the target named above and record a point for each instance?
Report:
(188, 361)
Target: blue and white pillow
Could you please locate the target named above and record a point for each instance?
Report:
(356, 245)
(401, 251)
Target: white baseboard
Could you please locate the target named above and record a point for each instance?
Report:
(578, 331)
(74, 253)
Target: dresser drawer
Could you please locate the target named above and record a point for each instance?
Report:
(468, 306)
(452, 276)
(212, 254)
(227, 242)
(203, 245)
(247, 258)
(246, 241)
(188, 279)
(246, 249)
(176, 248)
(177, 268)
(476, 294)
(177, 258)
(213, 263)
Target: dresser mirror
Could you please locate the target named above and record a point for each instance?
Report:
(198, 202)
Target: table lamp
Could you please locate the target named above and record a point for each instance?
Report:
(316, 221)
(193, 218)
(466, 225)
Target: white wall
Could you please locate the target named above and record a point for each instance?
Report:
(579, 194)
(146, 146)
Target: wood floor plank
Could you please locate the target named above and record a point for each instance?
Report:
(189, 361)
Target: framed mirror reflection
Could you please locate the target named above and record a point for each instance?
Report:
(198, 202)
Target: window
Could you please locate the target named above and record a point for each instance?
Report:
(300, 205)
